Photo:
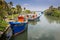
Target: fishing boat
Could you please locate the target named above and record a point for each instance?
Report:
(32, 17)
(19, 26)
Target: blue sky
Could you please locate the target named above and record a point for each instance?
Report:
(36, 5)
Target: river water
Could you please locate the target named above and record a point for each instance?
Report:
(41, 29)
(45, 29)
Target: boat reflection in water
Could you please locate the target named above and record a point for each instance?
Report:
(34, 22)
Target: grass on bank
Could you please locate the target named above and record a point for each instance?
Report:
(3, 25)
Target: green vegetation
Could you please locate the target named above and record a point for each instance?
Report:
(7, 11)
(3, 13)
(3, 9)
(19, 9)
(3, 25)
(52, 11)
(27, 11)
(14, 16)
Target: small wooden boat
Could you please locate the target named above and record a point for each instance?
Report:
(32, 17)
(19, 26)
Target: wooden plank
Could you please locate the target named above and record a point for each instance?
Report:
(2, 32)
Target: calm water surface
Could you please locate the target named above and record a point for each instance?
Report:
(44, 28)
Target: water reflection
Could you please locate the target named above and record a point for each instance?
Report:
(41, 34)
(21, 36)
(47, 28)
(45, 38)
(34, 22)
(53, 19)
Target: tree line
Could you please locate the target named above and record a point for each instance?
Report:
(8, 9)
(53, 11)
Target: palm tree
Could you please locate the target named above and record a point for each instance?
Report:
(11, 3)
(19, 9)
(3, 9)
(13, 10)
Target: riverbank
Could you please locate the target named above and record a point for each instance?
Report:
(53, 12)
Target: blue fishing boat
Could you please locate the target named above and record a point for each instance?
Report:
(19, 26)
(32, 17)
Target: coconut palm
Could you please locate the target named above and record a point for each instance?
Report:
(11, 3)
(19, 9)
(3, 9)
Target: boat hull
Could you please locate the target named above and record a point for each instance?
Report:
(18, 27)
(34, 18)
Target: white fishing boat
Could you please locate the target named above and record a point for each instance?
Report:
(32, 17)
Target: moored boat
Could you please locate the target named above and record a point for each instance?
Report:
(19, 26)
(32, 17)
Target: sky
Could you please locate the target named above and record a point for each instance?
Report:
(35, 5)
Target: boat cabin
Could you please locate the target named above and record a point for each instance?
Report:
(21, 18)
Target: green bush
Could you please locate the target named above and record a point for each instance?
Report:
(52, 12)
(27, 11)
(3, 25)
